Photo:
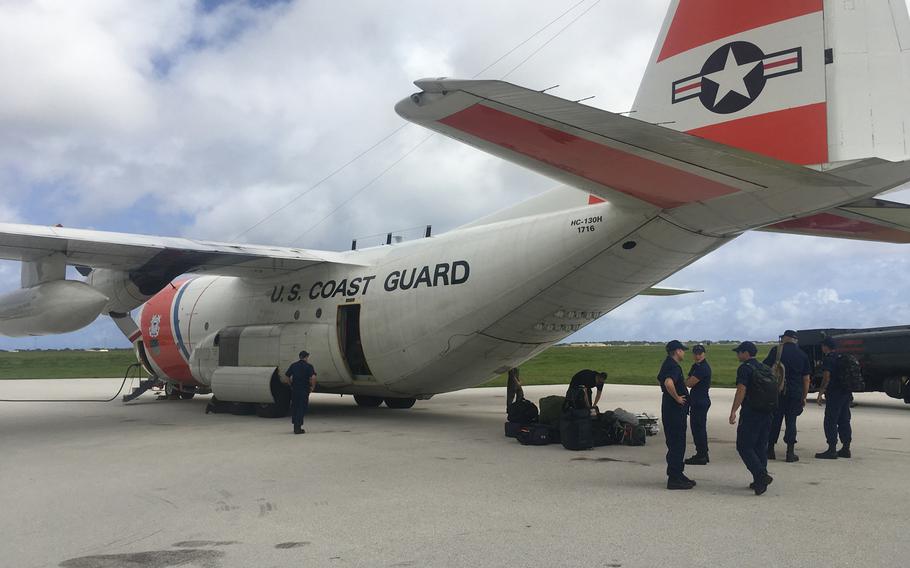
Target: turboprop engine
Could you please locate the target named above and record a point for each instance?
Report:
(59, 306)
(124, 295)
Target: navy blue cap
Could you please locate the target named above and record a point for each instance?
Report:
(829, 342)
(746, 346)
(674, 345)
(698, 348)
(789, 333)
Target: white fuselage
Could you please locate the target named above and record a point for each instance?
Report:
(435, 314)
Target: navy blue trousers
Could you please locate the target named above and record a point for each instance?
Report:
(752, 442)
(698, 421)
(673, 417)
(788, 408)
(299, 404)
(837, 419)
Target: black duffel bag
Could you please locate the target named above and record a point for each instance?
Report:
(522, 411)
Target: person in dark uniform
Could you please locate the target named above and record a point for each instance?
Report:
(793, 399)
(303, 381)
(752, 432)
(673, 410)
(836, 398)
(514, 391)
(582, 383)
(698, 383)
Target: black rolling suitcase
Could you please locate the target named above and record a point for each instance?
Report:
(575, 431)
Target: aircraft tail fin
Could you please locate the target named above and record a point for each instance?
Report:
(811, 82)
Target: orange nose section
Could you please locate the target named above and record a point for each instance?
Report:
(161, 334)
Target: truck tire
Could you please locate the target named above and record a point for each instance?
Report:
(894, 387)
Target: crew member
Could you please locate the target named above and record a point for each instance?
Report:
(793, 398)
(581, 385)
(514, 392)
(674, 408)
(837, 398)
(752, 432)
(303, 381)
(698, 383)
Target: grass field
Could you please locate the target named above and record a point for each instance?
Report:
(626, 364)
(65, 364)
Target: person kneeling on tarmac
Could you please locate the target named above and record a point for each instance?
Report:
(579, 391)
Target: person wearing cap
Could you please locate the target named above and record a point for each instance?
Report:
(836, 398)
(698, 383)
(673, 410)
(752, 431)
(793, 399)
(302, 376)
(581, 384)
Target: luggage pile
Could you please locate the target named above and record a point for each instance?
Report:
(569, 422)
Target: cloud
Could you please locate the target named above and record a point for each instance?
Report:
(201, 119)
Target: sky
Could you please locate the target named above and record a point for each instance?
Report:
(199, 119)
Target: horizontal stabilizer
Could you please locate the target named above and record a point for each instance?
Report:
(663, 291)
(870, 219)
(699, 184)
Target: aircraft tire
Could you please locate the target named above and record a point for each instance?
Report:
(400, 402)
(281, 394)
(367, 401)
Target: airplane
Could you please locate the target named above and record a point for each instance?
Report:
(781, 115)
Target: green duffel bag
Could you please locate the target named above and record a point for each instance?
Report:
(550, 409)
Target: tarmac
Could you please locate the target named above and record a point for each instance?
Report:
(156, 484)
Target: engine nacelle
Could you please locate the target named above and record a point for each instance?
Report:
(60, 306)
(124, 295)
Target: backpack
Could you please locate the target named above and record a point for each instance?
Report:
(849, 373)
(522, 411)
(779, 370)
(763, 390)
(634, 435)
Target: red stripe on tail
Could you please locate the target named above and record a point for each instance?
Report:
(698, 22)
(797, 135)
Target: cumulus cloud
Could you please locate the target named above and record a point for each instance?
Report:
(203, 118)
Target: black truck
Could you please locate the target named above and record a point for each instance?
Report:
(883, 353)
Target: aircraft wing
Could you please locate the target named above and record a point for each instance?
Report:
(164, 256)
(696, 183)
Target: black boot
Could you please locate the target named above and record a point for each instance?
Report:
(298, 429)
(675, 484)
(768, 480)
(771, 455)
(829, 454)
(698, 459)
(791, 454)
(844, 451)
